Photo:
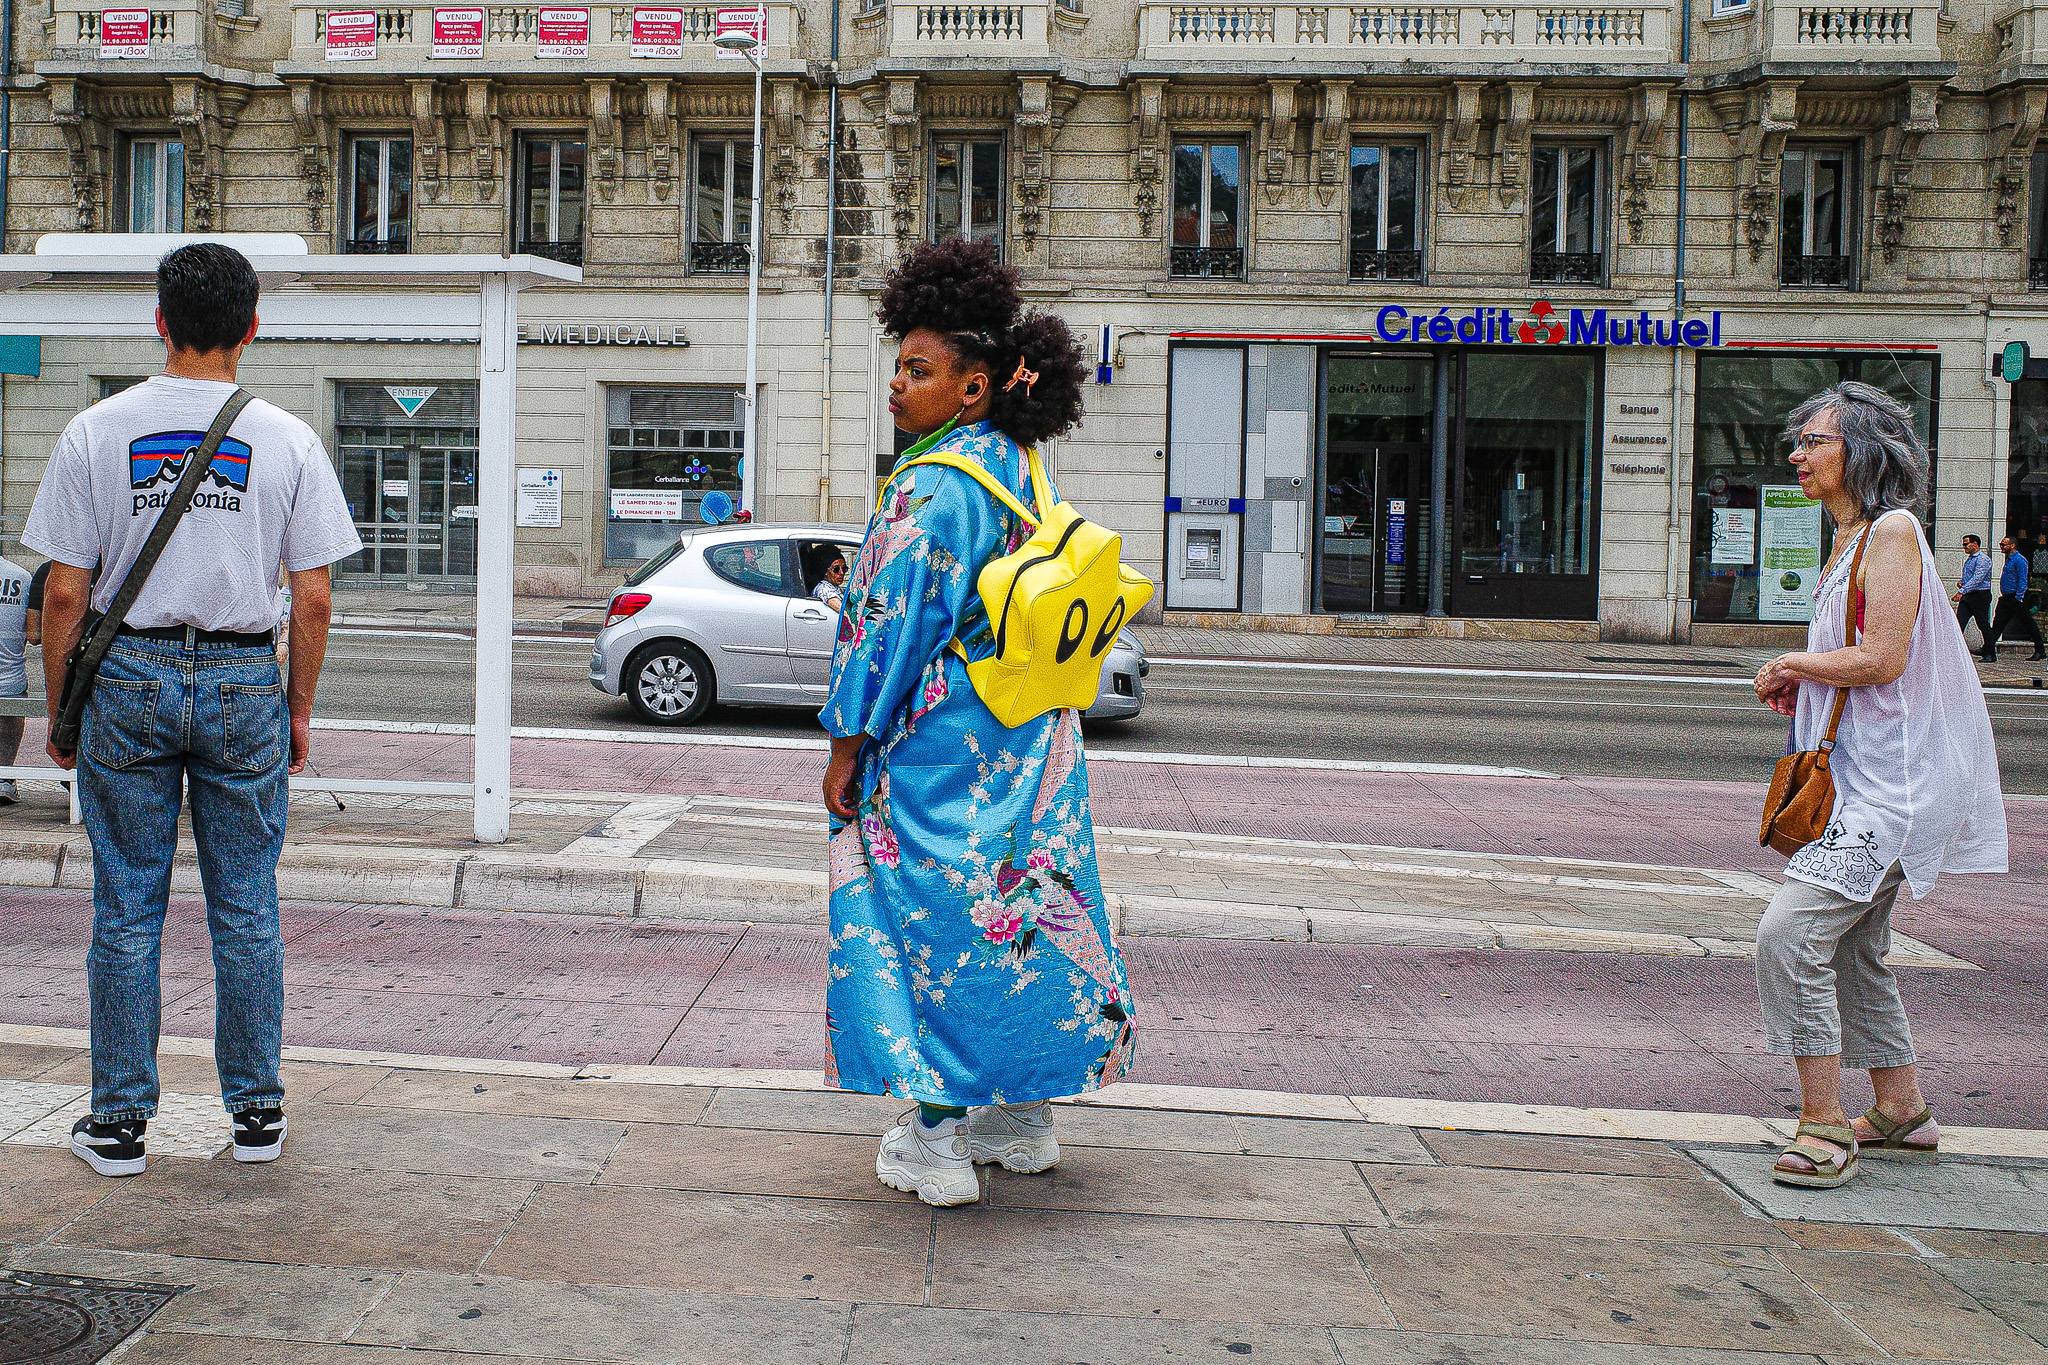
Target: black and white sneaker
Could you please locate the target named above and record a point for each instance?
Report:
(110, 1148)
(259, 1134)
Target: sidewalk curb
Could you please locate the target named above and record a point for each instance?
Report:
(1641, 1125)
(677, 889)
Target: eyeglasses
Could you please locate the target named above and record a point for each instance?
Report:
(1814, 440)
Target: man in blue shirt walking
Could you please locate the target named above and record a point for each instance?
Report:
(2012, 603)
(1973, 594)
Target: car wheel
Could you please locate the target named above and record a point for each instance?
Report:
(670, 683)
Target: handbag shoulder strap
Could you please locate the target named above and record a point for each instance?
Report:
(198, 461)
(1855, 609)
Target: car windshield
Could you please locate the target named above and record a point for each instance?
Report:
(653, 566)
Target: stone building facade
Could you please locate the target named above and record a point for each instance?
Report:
(1398, 327)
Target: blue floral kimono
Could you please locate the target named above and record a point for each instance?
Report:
(971, 954)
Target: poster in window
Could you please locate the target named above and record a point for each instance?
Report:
(352, 35)
(562, 33)
(124, 33)
(1788, 555)
(1734, 535)
(458, 33)
(646, 504)
(657, 33)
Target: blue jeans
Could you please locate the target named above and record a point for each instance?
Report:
(213, 716)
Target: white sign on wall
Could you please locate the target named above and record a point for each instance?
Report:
(540, 497)
(1788, 555)
(1734, 535)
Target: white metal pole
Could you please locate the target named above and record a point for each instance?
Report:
(497, 393)
(750, 476)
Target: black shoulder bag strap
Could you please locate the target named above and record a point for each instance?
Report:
(82, 665)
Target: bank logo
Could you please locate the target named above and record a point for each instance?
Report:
(157, 462)
(1544, 326)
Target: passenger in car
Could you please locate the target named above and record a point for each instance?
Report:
(827, 571)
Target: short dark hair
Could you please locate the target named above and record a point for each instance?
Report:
(208, 294)
(1972, 540)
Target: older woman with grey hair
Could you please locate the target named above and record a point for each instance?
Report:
(1916, 787)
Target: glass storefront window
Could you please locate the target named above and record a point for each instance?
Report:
(408, 469)
(1755, 540)
(665, 448)
(2026, 487)
(1525, 533)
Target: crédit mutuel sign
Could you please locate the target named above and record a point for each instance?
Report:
(602, 334)
(1545, 326)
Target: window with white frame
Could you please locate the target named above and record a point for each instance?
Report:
(967, 190)
(721, 205)
(151, 192)
(1815, 218)
(1386, 211)
(551, 197)
(1722, 7)
(379, 195)
(1565, 208)
(1208, 210)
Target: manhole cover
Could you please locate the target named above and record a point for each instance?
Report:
(59, 1320)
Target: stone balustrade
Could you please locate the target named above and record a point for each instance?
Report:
(969, 30)
(1854, 32)
(74, 28)
(1628, 34)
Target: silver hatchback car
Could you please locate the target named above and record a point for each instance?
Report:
(726, 615)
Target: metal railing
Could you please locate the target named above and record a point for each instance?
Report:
(1386, 265)
(1207, 262)
(1816, 272)
(568, 253)
(1567, 267)
(718, 258)
(365, 246)
(2037, 273)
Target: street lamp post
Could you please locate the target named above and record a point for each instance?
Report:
(748, 43)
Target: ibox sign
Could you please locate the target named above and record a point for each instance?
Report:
(1545, 326)
(352, 35)
(124, 33)
(562, 33)
(458, 34)
(657, 33)
(754, 21)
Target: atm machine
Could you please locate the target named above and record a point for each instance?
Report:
(1205, 479)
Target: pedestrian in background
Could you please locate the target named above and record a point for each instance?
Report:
(972, 964)
(2012, 604)
(1973, 595)
(14, 583)
(189, 694)
(1915, 781)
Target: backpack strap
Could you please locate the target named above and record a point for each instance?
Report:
(1041, 486)
(973, 470)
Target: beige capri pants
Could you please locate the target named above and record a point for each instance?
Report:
(1821, 977)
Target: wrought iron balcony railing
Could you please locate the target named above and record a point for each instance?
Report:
(1567, 267)
(1208, 262)
(367, 246)
(568, 253)
(1816, 272)
(2037, 273)
(718, 258)
(1386, 265)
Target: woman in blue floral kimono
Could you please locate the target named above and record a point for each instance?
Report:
(972, 965)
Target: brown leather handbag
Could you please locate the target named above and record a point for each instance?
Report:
(1802, 796)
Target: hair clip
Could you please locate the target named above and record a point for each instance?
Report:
(1024, 376)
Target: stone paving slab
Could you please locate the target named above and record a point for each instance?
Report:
(1953, 1194)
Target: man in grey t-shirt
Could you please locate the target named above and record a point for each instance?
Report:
(13, 668)
(189, 696)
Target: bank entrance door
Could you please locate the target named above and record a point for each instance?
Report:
(410, 481)
(1372, 509)
(1375, 527)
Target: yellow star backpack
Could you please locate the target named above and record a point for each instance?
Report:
(1055, 604)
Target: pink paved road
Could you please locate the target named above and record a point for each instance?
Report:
(1555, 1028)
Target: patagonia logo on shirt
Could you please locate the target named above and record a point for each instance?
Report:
(157, 462)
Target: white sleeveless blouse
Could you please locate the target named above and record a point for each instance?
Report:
(1916, 776)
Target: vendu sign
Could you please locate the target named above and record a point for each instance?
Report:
(1544, 325)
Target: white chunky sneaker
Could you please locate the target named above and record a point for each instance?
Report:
(1017, 1137)
(931, 1163)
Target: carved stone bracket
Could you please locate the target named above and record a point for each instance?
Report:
(1640, 145)
(1037, 124)
(661, 137)
(1511, 140)
(1461, 138)
(785, 135)
(1148, 149)
(85, 139)
(1919, 114)
(1769, 116)
(2016, 118)
(480, 109)
(604, 135)
(1331, 140)
(901, 127)
(1276, 137)
(309, 125)
(204, 115)
(429, 136)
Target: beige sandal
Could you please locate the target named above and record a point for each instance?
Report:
(1891, 1144)
(1830, 1170)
